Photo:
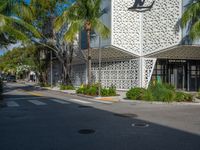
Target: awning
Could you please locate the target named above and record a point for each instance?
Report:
(178, 52)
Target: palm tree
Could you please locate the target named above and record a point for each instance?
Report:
(83, 15)
(191, 19)
(12, 27)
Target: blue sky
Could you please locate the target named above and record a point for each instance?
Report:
(1, 52)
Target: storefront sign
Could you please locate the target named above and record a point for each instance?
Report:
(139, 6)
(177, 61)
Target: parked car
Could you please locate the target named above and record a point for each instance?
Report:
(11, 78)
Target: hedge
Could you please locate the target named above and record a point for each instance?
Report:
(158, 92)
(93, 90)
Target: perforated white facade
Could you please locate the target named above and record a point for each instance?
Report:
(145, 32)
(138, 39)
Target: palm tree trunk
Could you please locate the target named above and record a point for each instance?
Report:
(89, 59)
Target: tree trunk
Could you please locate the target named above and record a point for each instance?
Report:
(89, 67)
(66, 75)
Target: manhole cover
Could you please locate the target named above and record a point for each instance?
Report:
(82, 106)
(127, 115)
(86, 131)
(141, 125)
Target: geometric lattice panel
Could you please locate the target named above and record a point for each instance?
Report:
(142, 33)
(148, 65)
(125, 26)
(160, 25)
(121, 74)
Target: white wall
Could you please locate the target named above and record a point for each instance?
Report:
(146, 32)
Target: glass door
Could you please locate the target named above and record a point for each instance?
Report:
(177, 76)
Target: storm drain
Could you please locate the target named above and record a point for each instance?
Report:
(140, 125)
(126, 115)
(82, 106)
(86, 131)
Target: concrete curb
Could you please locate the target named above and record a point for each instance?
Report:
(160, 103)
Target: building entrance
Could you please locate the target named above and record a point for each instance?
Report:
(176, 77)
(183, 74)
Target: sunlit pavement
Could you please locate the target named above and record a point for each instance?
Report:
(46, 120)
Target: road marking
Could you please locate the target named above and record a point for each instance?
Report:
(80, 101)
(30, 93)
(12, 104)
(36, 102)
(60, 101)
(34, 94)
(22, 98)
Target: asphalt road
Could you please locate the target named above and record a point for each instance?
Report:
(44, 120)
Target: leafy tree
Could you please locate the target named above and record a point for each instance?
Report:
(12, 27)
(45, 12)
(191, 19)
(21, 61)
(11, 60)
(83, 15)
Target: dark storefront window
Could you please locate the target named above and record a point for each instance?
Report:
(183, 74)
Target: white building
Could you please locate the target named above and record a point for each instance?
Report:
(143, 46)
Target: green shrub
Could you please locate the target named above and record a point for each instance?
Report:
(158, 92)
(88, 89)
(112, 91)
(188, 97)
(66, 87)
(183, 97)
(80, 90)
(93, 90)
(180, 96)
(104, 92)
(136, 93)
(148, 95)
(162, 92)
(169, 86)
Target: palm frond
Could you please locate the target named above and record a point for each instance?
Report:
(195, 30)
(192, 12)
(101, 28)
(60, 21)
(73, 30)
(15, 33)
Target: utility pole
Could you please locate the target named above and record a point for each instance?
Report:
(99, 92)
